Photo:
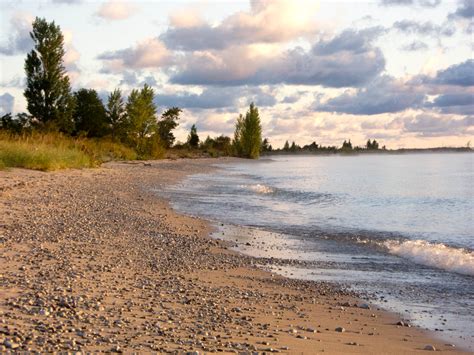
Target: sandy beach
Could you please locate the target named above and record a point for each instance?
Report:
(93, 260)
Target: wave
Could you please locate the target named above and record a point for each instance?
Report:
(260, 189)
(434, 255)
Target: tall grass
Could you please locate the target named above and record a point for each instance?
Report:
(53, 151)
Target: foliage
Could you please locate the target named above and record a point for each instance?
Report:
(248, 134)
(347, 145)
(89, 114)
(22, 123)
(141, 121)
(168, 122)
(52, 151)
(193, 138)
(48, 91)
(372, 145)
(266, 146)
(116, 113)
(218, 146)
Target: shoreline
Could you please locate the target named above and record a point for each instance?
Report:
(95, 261)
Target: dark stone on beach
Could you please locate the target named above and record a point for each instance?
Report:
(401, 323)
(430, 348)
(340, 329)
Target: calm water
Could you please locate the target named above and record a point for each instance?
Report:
(398, 227)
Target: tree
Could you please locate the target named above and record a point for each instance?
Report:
(116, 112)
(168, 122)
(286, 147)
(89, 114)
(141, 120)
(266, 146)
(193, 138)
(347, 145)
(239, 124)
(250, 133)
(48, 91)
(17, 125)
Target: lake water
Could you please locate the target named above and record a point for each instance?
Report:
(398, 228)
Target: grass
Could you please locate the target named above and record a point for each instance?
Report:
(53, 151)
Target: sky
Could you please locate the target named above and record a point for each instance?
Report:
(399, 71)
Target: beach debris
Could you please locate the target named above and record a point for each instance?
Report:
(340, 329)
(429, 348)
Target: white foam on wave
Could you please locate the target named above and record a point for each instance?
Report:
(435, 255)
(260, 189)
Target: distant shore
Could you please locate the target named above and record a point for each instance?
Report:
(93, 260)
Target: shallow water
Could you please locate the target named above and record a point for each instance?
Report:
(398, 227)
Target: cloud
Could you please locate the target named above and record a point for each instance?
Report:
(268, 21)
(457, 103)
(212, 98)
(113, 10)
(415, 46)
(67, 2)
(383, 95)
(6, 103)
(150, 53)
(461, 74)
(348, 59)
(465, 10)
(422, 3)
(424, 28)
(427, 125)
(19, 41)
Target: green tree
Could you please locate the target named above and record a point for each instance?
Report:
(89, 114)
(116, 112)
(141, 120)
(286, 147)
(239, 124)
(48, 91)
(168, 122)
(250, 134)
(193, 138)
(21, 124)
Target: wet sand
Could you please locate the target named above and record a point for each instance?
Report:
(92, 260)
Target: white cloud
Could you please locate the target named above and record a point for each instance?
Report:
(116, 10)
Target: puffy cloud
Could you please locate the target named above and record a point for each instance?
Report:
(348, 59)
(461, 74)
(454, 103)
(150, 53)
(465, 10)
(19, 41)
(427, 125)
(116, 10)
(268, 21)
(383, 95)
(6, 103)
(212, 98)
(425, 28)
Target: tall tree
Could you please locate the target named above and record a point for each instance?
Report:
(168, 122)
(89, 114)
(141, 120)
(286, 147)
(48, 91)
(116, 112)
(239, 124)
(193, 138)
(250, 133)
